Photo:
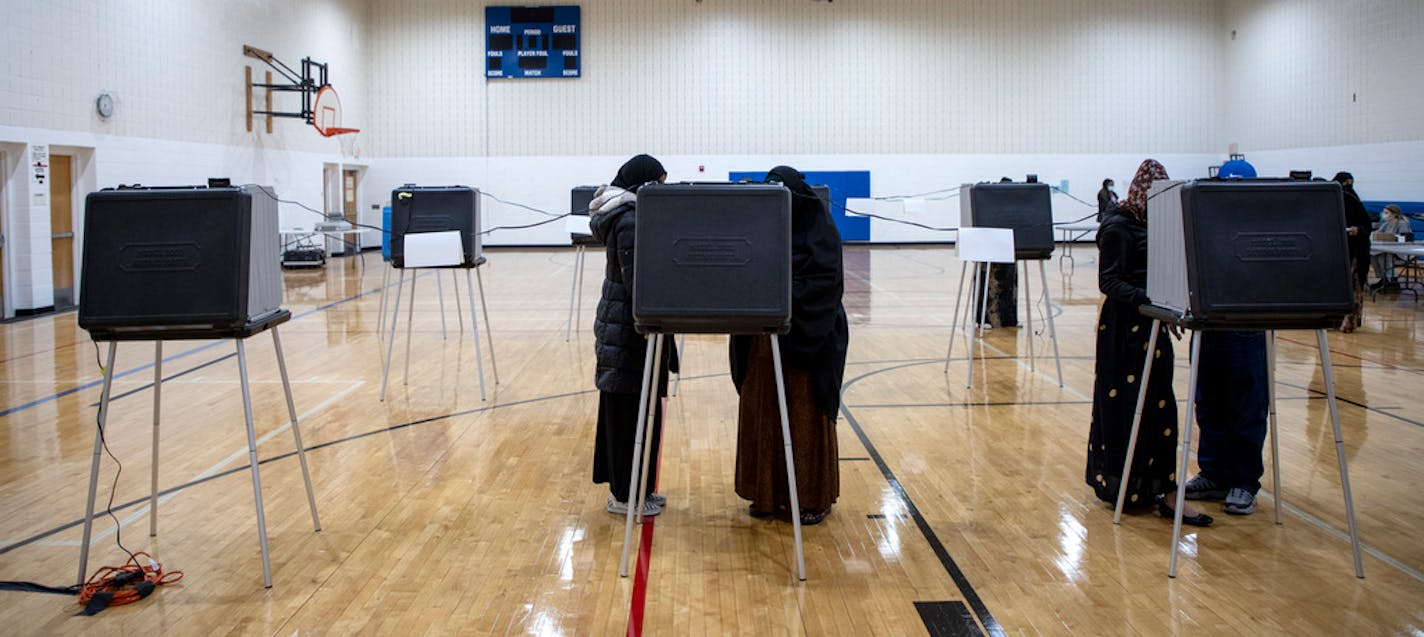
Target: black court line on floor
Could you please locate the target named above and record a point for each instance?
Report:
(948, 619)
(955, 573)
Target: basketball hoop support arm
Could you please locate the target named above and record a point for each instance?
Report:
(305, 83)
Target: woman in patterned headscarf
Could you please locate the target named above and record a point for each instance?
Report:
(1122, 344)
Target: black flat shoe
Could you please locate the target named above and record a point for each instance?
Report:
(1200, 519)
(814, 516)
(757, 513)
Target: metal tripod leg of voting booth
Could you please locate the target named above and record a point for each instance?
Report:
(1052, 330)
(1187, 427)
(1271, 423)
(954, 323)
(1028, 318)
(980, 298)
(637, 483)
(99, 443)
(410, 312)
(575, 292)
(440, 296)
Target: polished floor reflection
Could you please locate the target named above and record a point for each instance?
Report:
(962, 510)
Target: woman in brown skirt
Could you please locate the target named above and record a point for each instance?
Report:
(813, 357)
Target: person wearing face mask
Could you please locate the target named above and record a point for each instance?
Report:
(1357, 226)
(813, 357)
(1392, 225)
(619, 348)
(1107, 199)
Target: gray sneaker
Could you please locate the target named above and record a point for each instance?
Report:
(650, 508)
(1239, 502)
(1200, 488)
(658, 499)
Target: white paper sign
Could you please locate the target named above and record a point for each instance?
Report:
(39, 175)
(578, 224)
(433, 249)
(986, 245)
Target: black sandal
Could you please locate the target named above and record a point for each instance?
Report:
(1200, 519)
(814, 516)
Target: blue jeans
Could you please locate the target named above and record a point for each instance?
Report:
(1232, 406)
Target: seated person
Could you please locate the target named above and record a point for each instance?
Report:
(1392, 224)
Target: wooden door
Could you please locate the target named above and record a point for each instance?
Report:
(348, 195)
(61, 223)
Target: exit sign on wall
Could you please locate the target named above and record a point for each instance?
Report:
(532, 42)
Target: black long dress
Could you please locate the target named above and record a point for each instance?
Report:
(1122, 336)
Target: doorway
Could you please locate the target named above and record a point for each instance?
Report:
(348, 195)
(61, 223)
(4, 265)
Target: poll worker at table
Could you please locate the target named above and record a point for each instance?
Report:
(813, 357)
(1392, 226)
(1107, 199)
(619, 348)
(1122, 339)
(1357, 226)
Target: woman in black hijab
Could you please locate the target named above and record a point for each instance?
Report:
(813, 357)
(619, 348)
(1357, 226)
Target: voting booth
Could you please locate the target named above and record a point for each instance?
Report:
(709, 258)
(164, 262)
(1245, 254)
(1238, 253)
(181, 263)
(985, 210)
(436, 227)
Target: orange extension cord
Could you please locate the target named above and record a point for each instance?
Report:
(119, 585)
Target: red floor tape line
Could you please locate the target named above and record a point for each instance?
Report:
(645, 558)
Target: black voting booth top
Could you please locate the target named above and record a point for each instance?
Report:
(713, 258)
(1025, 208)
(1263, 254)
(420, 209)
(579, 198)
(168, 263)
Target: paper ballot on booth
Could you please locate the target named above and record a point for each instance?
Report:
(433, 249)
(986, 245)
(577, 225)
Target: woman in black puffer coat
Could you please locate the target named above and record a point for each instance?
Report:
(619, 348)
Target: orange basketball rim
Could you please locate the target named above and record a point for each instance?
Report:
(326, 113)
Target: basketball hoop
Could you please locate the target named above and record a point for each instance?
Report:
(326, 114)
(350, 143)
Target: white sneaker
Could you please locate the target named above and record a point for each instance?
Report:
(650, 508)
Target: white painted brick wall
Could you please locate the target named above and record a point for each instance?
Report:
(1321, 73)
(849, 77)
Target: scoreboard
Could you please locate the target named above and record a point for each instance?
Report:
(532, 42)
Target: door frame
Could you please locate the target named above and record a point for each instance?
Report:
(82, 181)
(362, 213)
(7, 309)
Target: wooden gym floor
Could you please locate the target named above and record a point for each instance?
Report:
(961, 510)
